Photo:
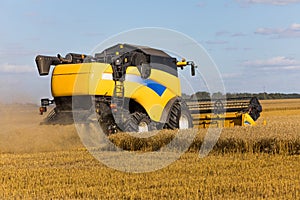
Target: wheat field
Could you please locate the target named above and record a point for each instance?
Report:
(50, 162)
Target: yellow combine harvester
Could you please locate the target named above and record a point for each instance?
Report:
(134, 88)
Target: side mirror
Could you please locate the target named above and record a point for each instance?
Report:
(193, 68)
(184, 63)
(193, 71)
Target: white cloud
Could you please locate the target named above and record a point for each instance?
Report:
(227, 33)
(238, 34)
(222, 33)
(293, 31)
(232, 75)
(295, 27)
(216, 42)
(275, 63)
(267, 31)
(11, 68)
(270, 2)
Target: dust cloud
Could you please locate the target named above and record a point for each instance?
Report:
(21, 132)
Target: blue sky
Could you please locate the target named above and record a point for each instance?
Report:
(254, 43)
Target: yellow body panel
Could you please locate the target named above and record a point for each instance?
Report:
(223, 120)
(153, 104)
(66, 69)
(247, 120)
(99, 85)
(64, 79)
(163, 78)
(181, 63)
(96, 79)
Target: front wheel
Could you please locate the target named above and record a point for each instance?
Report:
(185, 120)
(139, 122)
(179, 116)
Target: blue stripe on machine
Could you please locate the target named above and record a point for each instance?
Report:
(155, 86)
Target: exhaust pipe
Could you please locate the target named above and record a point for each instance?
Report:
(43, 63)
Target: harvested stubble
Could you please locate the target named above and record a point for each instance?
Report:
(261, 139)
(77, 175)
(281, 135)
(229, 172)
(281, 104)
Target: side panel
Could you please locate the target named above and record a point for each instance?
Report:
(65, 77)
(152, 93)
(100, 82)
(248, 121)
(79, 79)
(153, 103)
(96, 79)
(169, 81)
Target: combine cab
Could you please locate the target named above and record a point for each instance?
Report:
(134, 88)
